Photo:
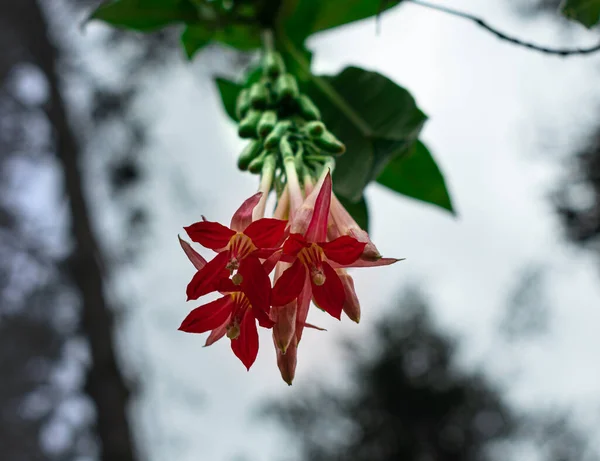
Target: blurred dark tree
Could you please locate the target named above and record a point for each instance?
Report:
(408, 401)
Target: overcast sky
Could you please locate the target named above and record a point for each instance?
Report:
(501, 121)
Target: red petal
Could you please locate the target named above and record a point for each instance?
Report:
(198, 261)
(245, 346)
(206, 279)
(289, 285)
(363, 263)
(266, 232)
(317, 229)
(330, 296)
(271, 261)
(217, 333)
(209, 234)
(343, 250)
(243, 216)
(256, 284)
(294, 244)
(207, 317)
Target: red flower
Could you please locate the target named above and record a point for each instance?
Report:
(244, 240)
(311, 256)
(235, 314)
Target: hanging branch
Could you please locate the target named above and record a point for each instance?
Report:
(502, 36)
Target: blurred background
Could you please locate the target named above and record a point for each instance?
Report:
(483, 344)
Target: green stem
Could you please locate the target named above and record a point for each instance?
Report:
(268, 40)
(326, 88)
(266, 182)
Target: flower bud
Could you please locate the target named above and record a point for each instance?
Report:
(348, 226)
(351, 304)
(285, 325)
(287, 362)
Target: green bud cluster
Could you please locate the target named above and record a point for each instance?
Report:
(282, 124)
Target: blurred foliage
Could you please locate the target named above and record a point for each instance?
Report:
(587, 12)
(406, 400)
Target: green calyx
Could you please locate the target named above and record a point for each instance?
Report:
(283, 126)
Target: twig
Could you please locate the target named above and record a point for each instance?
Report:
(502, 36)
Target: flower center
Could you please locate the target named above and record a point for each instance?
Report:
(240, 305)
(312, 257)
(240, 246)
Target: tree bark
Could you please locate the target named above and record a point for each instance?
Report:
(104, 383)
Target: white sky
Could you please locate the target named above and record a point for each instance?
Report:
(500, 119)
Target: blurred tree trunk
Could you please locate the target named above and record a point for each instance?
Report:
(104, 383)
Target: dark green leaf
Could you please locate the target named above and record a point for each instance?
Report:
(373, 116)
(194, 38)
(229, 92)
(244, 38)
(358, 210)
(587, 12)
(415, 174)
(302, 18)
(145, 15)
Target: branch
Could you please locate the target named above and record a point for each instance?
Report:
(502, 36)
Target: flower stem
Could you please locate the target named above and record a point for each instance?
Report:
(266, 182)
(268, 40)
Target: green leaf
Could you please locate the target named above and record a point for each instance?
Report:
(358, 210)
(194, 38)
(145, 15)
(415, 174)
(229, 92)
(373, 116)
(587, 12)
(301, 18)
(241, 37)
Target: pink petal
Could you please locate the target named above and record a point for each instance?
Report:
(351, 304)
(330, 296)
(256, 284)
(206, 280)
(289, 285)
(343, 250)
(207, 317)
(285, 325)
(198, 261)
(217, 333)
(317, 229)
(245, 346)
(314, 327)
(303, 306)
(363, 263)
(266, 232)
(243, 216)
(210, 234)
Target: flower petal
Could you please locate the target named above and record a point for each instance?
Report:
(217, 333)
(198, 261)
(207, 317)
(272, 261)
(294, 244)
(343, 250)
(210, 234)
(317, 229)
(266, 232)
(243, 216)
(256, 284)
(245, 346)
(330, 296)
(351, 304)
(289, 285)
(363, 263)
(206, 280)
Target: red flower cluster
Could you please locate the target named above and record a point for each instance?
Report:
(309, 254)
